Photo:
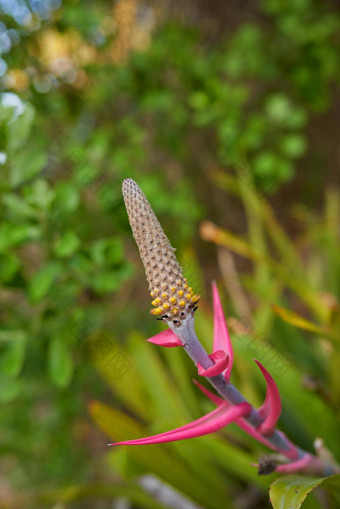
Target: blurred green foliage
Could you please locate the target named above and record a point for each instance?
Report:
(82, 108)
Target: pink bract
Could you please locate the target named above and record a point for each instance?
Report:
(241, 423)
(221, 361)
(214, 421)
(221, 334)
(165, 338)
(270, 411)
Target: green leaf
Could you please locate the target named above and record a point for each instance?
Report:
(60, 363)
(297, 119)
(43, 280)
(293, 145)
(105, 281)
(9, 265)
(18, 206)
(40, 194)
(278, 108)
(299, 321)
(272, 167)
(107, 251)
(67, 244)
(19, 129)
(114, 251)
(13, 358)
(26, 164)
(289, 492)
(10, 388)
(66, 198)
(198, 100)
(14, 235)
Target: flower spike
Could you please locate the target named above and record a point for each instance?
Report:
(271, 409)
(173, 299)
(165, 338)
(214, 421)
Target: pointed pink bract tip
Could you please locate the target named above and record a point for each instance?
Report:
(165, 338)
(270, 411)
(221, 335)
(214, 421)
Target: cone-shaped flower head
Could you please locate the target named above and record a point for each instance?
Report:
(172, 297)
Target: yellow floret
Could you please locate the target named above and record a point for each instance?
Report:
(157, 311)
(195, 298)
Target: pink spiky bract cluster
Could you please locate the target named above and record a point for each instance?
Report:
(225, 413)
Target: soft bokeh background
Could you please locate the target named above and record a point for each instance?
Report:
(227, 115)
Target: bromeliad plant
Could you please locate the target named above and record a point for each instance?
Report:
(175, 304)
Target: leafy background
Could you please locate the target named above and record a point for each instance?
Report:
(227, 117)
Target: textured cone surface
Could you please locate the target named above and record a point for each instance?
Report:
(172, 297)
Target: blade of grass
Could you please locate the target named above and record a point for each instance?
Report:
(106, 353)
(302, 323)
(212, 233)
(281, 240)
